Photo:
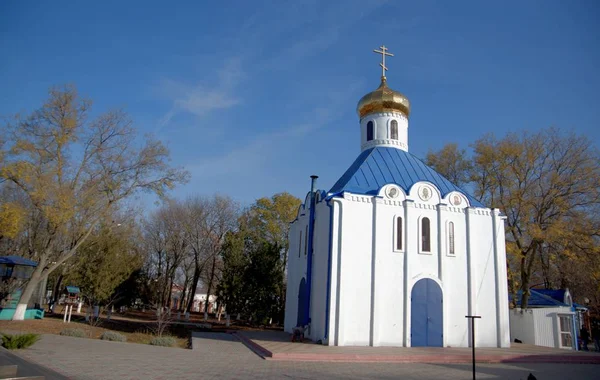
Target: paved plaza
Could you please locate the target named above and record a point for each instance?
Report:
(222, 356)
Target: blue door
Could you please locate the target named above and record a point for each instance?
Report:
(301, 303)
(426, 318)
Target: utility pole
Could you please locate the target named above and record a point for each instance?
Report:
(472, 318)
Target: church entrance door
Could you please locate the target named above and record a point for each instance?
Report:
(426, 319)
(301, 303)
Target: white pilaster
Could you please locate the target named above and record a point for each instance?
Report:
(502, 312)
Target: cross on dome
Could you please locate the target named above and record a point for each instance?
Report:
(383, 53)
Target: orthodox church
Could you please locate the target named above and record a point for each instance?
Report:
(394, 254)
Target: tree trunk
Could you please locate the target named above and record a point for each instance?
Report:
(169, 292)
(193, 289)
(210, 281)
(182, 296)
(42, 290)
(526, 265)
(32, 284)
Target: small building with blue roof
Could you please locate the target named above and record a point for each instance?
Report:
(551, 319)
(394, 254)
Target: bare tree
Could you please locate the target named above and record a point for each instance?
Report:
(73, 171)
(209, 219)
(165, 237)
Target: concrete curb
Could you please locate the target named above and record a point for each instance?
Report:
(253, 346)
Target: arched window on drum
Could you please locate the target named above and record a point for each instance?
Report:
(394, 130)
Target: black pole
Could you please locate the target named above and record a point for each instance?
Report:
(472, 318)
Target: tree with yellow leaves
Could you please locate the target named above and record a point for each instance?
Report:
(548, 186)
(73, 171)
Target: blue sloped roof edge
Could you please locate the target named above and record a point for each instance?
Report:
(17, 260)
(537, 299)
(379, 166)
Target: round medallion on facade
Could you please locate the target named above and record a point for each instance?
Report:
(425, 193)
(392, 192)
(456, 200)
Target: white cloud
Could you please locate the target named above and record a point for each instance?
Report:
(252, 157)
(202, 98)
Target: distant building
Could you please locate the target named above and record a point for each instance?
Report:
(551, 319)
(394, 254)
(199, 300)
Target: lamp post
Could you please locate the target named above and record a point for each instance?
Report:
(472, 318)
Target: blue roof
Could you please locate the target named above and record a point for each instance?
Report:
(17, 260)
(537, 299)
(73, 289)
(558, 295)
(379, 166)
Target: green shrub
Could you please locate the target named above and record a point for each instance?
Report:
(164, 341)
(15, 342)
(78, 333)
(113, 336)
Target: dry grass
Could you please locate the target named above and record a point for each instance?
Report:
(135, 331)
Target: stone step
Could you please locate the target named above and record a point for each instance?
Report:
(9, 372)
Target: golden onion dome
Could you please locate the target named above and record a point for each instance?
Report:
(383, 99)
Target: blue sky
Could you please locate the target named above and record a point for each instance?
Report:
(252, 97)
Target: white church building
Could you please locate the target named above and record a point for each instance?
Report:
(394, 254)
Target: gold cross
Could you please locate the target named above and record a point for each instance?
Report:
(383, 53)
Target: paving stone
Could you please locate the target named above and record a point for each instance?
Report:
(221, 357)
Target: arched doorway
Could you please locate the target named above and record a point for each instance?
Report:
(301, 303)
(426, 320)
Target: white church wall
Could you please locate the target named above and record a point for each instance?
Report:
(483, 272)
(412, 247)
(388, 305)
(319, 272)
(501, 281)
(337, 206)
(296, 268)
(454, 278)
(355, 272)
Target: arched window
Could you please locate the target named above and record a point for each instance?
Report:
(399, 233)
(394, 130)
(425, 235)
(451, 238)
(369, 131)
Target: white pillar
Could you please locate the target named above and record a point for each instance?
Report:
(470, 214)
(411, 249)
(373, 335)
(502, 317)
